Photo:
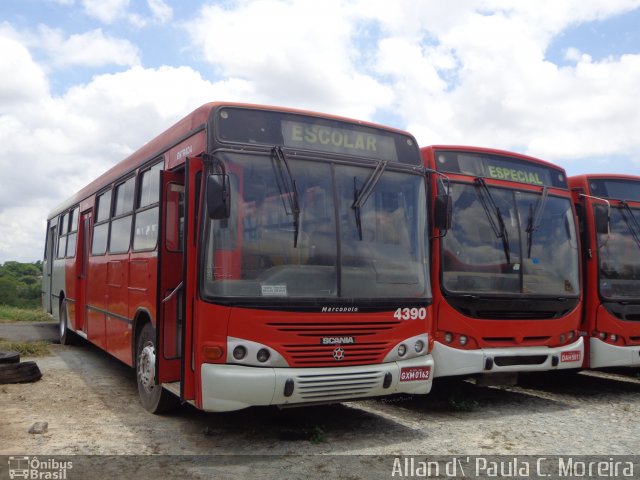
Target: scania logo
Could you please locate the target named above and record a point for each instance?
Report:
(337, 340)
(338, 353)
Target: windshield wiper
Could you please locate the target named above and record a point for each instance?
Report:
(500, 230)
(287, 187)
(632, 223)
(535, 216)
(360, 197)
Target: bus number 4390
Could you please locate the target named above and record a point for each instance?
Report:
(410, 313)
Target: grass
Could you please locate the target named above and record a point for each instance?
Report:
(38, 348)
(14, 314)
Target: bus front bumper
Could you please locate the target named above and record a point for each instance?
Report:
(604, 354)
(454, 361)
(233, 387)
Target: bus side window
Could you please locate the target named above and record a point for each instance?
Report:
(101, 226)
(62, 236)
(146, 223)
(120, 234)
(73, 233)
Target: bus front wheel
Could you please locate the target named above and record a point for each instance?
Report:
(67, 337)
(153, 397)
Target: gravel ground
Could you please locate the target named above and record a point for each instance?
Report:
(89, 400)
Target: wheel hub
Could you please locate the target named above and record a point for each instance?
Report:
(147, 367)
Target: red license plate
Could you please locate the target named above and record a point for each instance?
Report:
(573, 356)
(412, 374)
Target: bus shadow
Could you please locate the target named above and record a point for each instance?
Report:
(586, 384)
(461, 398)
(332, 428)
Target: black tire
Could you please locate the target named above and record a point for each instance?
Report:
(153, 397)
(67, 337)
(19, 372)
(9, 357)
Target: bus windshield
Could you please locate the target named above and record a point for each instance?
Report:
(325, 247)
(619, 255)
(505, 241)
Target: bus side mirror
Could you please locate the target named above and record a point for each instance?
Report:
(443, 212)
(218, 196)
(602, 219)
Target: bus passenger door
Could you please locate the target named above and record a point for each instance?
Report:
(193, 194)
(82, 270)
(48, 267)
(170, 277)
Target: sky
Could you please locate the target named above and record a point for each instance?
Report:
(84, 83)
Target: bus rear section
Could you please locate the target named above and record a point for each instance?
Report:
(609, 211)
(288, 264)
(506, 271)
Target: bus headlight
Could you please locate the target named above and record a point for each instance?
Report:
(402, 349)
(463, 340)
(249, 353)
(418, 346)
(448, 337)
(603, 335)
(562, 338)
(263, 355)
(239, 352)
(613, 337)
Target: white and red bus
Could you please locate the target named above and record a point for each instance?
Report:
(252, 256)
(506, 268)
(608, 208)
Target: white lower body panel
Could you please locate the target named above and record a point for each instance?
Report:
(454, 361)
(233, 387)
(603, 354)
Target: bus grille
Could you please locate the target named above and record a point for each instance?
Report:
(303, 347)
(515, 315)
(326, 387)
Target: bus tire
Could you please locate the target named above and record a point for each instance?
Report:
(9, 357)
(153, 397)
(67, 337)
(19, 372)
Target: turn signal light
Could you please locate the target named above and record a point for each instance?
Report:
(212, 353)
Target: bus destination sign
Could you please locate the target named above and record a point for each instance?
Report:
(500, 167)
(514, 174)
(615, 189)
(338, 140)
(294, 130)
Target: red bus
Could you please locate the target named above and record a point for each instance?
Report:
(506, 271)
(608, 208)
(252, 256)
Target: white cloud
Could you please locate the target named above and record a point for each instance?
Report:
(293, 53)
(162, 13)
(88, 49)
(111, 11)
(67, 141)
(107, 11)
(92, 49)
(500, 89)
(20, 78)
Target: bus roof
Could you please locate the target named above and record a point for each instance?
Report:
(190, 124)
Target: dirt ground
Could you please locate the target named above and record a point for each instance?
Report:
(90, 402)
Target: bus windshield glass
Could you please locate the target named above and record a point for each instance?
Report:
(505, 241)
(323, 248)
(619, 255)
